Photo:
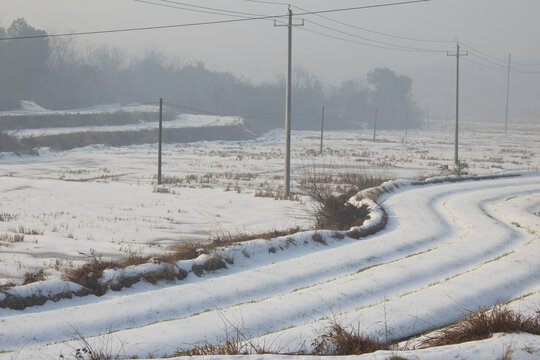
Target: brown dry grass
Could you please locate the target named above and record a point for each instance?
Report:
(331, 211)
(88, 274)
(481, 324)
(340, 340)
(30, 278)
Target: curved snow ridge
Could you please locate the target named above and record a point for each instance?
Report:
(394, 185)
(258, 249)
(255, 253)
(38, 293)
(249, 254)
(406, 273)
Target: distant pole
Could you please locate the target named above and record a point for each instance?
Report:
(507, 94)
(456, 128)
(287, 184)
(406, 122)
(288, 116)
(322, 130)
(427, 117)
(160, 138)
(375, 124)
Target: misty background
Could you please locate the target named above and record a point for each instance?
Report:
(239, 69)
(56, 75)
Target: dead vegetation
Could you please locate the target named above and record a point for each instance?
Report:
(331, 209)
(338, 339)
(482, 324)
(30, 278)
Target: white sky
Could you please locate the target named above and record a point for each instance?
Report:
(256, 50)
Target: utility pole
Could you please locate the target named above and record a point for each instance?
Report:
(375, 124)
(456, 129)
(406, 122)
(427, 117)
(507, 94)
(322, 130)
(287, 184)
(160, 138)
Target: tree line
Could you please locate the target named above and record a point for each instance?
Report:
(56, 74)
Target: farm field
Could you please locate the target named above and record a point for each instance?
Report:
(447, 248)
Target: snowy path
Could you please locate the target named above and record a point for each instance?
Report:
(447, 248)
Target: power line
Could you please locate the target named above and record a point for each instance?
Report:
(499, 67)
(215, 22)
(376, 32)
(500, 61)
(243, 14)
(387, 45)
(200, 9)
(368, 44)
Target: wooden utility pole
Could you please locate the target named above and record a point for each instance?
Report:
(160, 138)
(322, 130)
(456, 128)
(287, 185)
(406, 122)
(507, 94)
(375, 124)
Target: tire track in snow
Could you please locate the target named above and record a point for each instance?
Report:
(309, 297)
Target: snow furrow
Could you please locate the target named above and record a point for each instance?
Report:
(447, 248)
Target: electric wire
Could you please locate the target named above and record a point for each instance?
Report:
(368, 44)
(243, 14)
(387, 45)
(205, 10)
(215, 22)
(375, 32)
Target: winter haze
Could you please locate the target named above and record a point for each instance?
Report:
(255, 51)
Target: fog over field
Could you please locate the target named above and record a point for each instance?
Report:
(144, 180)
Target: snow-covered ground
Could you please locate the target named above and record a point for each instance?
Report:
(181, 121)
(447, 247)
(31, 108)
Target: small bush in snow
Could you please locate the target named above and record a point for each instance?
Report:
(481, 324)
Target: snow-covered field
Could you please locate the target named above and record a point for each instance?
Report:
(447, 247)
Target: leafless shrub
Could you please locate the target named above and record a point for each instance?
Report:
(340, 340)
(332, 211)
(481, 324)
(215, 262)
(167, 273)
(89, 274)
(235, 341)
(33, 277)
(317, 237)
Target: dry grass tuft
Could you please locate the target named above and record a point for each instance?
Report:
(234, 342)
(166, 273)
(481, 324)
(33, 277)
(317, 237)
(340, 340)
(88, 274)
(332, 211)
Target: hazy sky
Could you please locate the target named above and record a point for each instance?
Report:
(256, 50)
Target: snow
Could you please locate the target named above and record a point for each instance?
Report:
(181, 121)
(31, 108)
(448, 247)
